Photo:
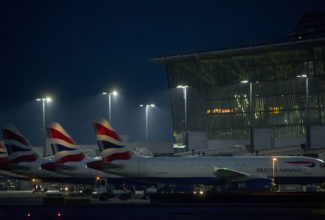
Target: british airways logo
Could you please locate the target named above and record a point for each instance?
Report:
(110, 144)
(63, 146)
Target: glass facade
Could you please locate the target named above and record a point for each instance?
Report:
(219, 104)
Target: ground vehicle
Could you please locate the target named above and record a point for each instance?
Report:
(104, 191)
(53, 191)
(38, 188)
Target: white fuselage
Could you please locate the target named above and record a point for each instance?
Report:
(201, 169)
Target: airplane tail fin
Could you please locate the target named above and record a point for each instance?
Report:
(64, 147)
(110, 145)
(18, 148)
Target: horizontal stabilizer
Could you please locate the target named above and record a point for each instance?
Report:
(62, 167)
(108, 166)
(18, 168)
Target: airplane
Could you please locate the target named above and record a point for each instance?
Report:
(70, 160)
(4, 164)
(250, 172)
(23, 159)
(4, 161)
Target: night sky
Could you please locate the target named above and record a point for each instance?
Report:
(73, 50)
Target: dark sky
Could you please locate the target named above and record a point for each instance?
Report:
(72, 50)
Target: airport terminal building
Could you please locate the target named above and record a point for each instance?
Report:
(270, 95)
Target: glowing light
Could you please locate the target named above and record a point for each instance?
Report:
(58, 214)
(274, 110)
(222, 110)
(244, 81)
(29, 214)
(152, 105)
(181, 86)
(274, 159)
(114, 93)
(97, 178)
(47, 99)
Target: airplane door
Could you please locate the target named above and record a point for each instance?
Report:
(142, 167)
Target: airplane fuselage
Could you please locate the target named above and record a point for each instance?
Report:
(201, 170)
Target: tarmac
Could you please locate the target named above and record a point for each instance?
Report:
(26, 205)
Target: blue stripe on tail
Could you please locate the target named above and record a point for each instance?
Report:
(58, 148)
(13, 148)
(103, 145)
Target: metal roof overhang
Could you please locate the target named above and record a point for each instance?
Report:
(239, 50)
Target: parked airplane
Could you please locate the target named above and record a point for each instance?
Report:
(70, 160)
(4, 164)
(251, 171)
(4, 161)
(24, 160)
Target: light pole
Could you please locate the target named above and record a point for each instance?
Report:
(43, 100)
(273, 161)
(250, 113)
(147, 112)
(114, 93)
(306, 110)
(184, 87)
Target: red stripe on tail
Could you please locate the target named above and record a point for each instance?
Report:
(9, 135)
(102, 130)
(53, 133)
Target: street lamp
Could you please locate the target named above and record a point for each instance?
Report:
(273, 161)
(147, 112)
(306, 110)
(43, 100)
(114, 93)
(250, 111)
(184, 87)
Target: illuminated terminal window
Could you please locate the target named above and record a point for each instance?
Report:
(218, 104)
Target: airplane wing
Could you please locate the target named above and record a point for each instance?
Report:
(229, 174)
(107, 166)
